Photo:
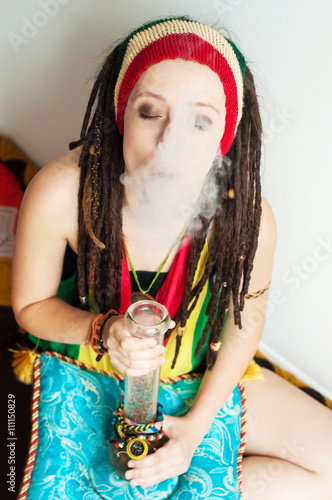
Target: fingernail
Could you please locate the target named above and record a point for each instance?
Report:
(129, 475)
(134, 482)
(162, 350)
(153, 343)
(162, 360)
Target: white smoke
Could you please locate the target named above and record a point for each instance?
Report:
(162, 197)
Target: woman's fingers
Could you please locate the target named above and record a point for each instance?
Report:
(154, 477)
(135, 348)
(131, 372)
(130, 343)
(131, 355)
(172, 325)
(171, 460)
(135, 367)
(163, 464)
(148, 354)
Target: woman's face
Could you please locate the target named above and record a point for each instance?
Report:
(173, 123)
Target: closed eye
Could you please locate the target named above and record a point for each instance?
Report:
(147, 117)
(202, 122)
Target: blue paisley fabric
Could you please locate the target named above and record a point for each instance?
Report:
(76, 420)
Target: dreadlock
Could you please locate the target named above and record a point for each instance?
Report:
(100, 194)
(235, 223)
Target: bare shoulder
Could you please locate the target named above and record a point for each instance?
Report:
(47, 222)
(59, 177)
(267, 239)
(51, 197)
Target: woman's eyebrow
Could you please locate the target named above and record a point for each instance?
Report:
(161, 98)
(207, 105)
(151, 94)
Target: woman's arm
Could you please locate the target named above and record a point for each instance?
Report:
(238, 345)
(47, 221)
(237, 350)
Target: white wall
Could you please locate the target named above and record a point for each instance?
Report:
(50, 48)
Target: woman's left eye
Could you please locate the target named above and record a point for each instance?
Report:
(147, 117)
(202, 122)
(148, 113)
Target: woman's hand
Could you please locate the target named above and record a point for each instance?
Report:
(131, 355)
(169, 461)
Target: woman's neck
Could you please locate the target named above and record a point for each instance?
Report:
(149, 238)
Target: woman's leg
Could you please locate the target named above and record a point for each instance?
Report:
(288, 454)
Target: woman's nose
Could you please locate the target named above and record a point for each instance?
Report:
(170, 134)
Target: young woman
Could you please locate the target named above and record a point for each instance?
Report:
(161, 197)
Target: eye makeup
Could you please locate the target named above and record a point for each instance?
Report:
(148, 113)
(203, 122)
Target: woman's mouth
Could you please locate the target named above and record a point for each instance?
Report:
(165, 176)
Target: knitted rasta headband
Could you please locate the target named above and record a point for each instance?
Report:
(177, 38)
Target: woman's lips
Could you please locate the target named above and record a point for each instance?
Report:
(165, 175)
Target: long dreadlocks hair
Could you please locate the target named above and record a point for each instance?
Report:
(236, 221)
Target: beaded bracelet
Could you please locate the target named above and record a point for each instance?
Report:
(128, 433)
(139, 428)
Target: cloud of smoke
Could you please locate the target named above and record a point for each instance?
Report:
(161, 196)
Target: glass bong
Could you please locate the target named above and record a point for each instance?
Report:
(137, 432)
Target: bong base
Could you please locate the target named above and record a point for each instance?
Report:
(136, 447)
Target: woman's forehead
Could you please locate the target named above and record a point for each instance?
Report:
(172, 77)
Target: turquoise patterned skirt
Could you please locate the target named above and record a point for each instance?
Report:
(73, 419)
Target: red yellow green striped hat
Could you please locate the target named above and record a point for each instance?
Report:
(191, 40)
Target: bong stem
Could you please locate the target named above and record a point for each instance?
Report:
(144, 319)
(141, 397)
